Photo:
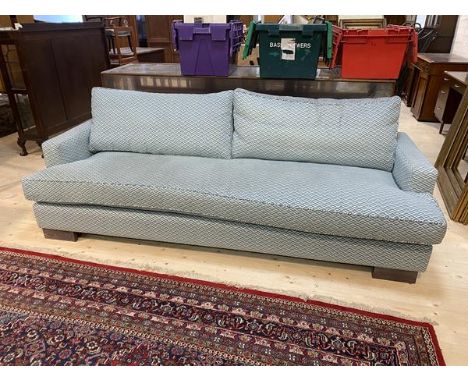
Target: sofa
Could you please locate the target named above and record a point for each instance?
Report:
(322, 179)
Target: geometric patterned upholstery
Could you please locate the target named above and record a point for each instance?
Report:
(174, 124)
(176, 228)
(307, 197)
(412, 171)
(353, 132)
(339, 185)
(70, 146)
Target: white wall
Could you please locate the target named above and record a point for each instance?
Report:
(421, 20)
(206, 18)
(59, 19)
(460, 40)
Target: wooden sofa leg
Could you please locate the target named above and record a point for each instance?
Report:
(60, 235)
(394, 275)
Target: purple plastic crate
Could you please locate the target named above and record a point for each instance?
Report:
(206, 49)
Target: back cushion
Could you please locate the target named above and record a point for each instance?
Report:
(353, 132)
(156, 123)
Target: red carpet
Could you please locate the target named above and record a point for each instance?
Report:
(57, 311)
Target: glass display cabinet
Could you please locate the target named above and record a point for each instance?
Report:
(15, 88)
(48, 71)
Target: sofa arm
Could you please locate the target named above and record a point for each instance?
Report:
(411, 170)
(70, 146)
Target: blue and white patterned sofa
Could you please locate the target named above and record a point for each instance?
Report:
(318, 179)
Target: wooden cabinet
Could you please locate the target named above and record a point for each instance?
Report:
(453, 86)
(158, 34)
(427, 79)
(445, 26)
(48, 71)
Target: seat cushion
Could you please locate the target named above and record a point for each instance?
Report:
(317, 198)
(352, 132)
(155, 123)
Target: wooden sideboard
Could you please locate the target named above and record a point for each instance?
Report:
(167, 78)
(426, 80)
(451, 92)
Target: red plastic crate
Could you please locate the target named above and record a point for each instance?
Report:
(373, 53)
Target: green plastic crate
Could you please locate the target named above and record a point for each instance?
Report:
(289, 50)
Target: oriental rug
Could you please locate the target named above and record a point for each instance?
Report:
(58, 311)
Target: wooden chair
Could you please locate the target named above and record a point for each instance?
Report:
(116, 30)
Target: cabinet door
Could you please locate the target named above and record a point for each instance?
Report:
(420, 94)
(79, 60)
(38, 60)
(62, 64)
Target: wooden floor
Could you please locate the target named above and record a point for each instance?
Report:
(440, 294)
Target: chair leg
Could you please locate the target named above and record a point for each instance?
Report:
(60, 235)
(395, 275)
(110, 39)
(130, 45)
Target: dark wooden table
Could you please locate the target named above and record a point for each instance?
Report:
(166, 78)
(144, 54)
(150, 54)
(426, 79)
(451, 92)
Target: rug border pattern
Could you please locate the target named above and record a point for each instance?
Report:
(429, 332)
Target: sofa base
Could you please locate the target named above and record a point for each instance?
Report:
(394, 275)
(192, 230)
(60, 235)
